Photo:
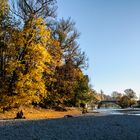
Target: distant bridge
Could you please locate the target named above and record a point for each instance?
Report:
(108, 102)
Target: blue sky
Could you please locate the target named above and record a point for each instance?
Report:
(110, 36)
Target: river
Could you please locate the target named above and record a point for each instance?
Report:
(112, 111)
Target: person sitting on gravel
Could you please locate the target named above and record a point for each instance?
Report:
(84, 109)
(20, 115)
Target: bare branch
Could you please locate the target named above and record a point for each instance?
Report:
(31, 10)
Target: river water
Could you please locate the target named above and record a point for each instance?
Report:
(111, 111)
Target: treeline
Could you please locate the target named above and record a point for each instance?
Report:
(40, 60)
(128, 98)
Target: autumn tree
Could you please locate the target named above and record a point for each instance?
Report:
(31, 60)
(3, 16)
(74, 60)
(131, 95)
(70, 84)
(41, 61)
(30, 55)
(124, 101)
(5, 36)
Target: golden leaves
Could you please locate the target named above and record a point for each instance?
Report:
(33, 46)
(4, 7)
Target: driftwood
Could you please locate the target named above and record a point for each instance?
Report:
(68, 116)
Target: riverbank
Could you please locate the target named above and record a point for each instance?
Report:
(112, 127)
(39, 113)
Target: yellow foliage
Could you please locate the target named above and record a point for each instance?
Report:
(4, 7)
(33, 47)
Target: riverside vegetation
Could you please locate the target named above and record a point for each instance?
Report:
(41, 62)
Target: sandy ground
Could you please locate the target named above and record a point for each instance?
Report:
(112, 127)
(39, 113)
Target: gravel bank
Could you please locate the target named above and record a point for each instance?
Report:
(113, 127)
